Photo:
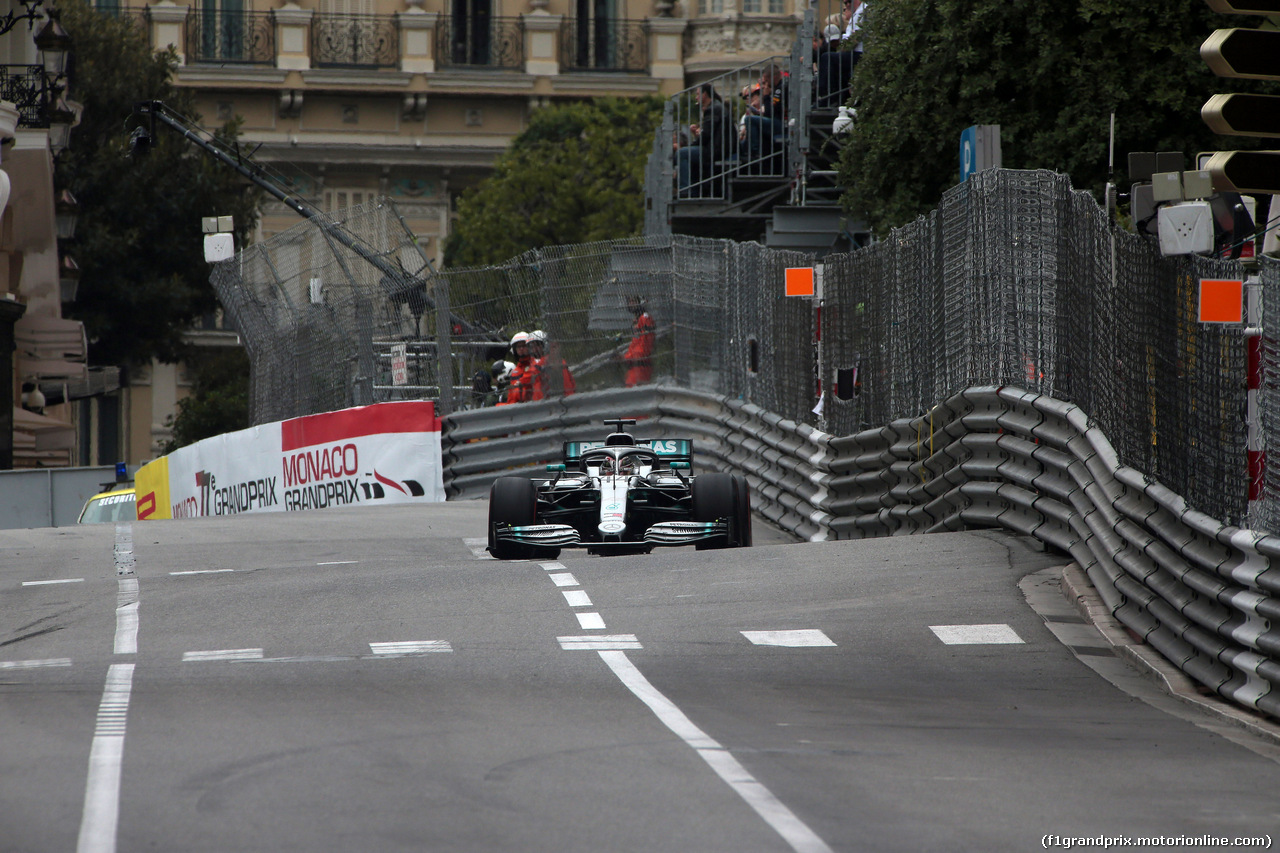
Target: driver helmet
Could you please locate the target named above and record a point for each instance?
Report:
(627, 465)
(606, 466)
(537, 341)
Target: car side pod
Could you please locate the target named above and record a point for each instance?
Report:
(685, 532)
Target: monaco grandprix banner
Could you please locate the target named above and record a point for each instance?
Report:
(366, 456)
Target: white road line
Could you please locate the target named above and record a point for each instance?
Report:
(563, 579)
(124, 549)
(202, 572)
(600, 642)
(477, 548)
(412, 647)
(223, 654)
(577, 598)
(49, 583)
(804, 638)
(966, 635)
(590, 621)
(127, 617)
(794, 831)
(339, 563)
(102, 788)
(552, 566)
(32, 664)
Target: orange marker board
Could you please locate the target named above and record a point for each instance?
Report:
(1221, 300)
(799, 281)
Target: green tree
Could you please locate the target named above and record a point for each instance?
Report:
(219, 400)
(575, 175)
(138, 241)
(1049, 74)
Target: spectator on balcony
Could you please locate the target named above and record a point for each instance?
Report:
(835, 66)
(700, 162)
(750, 94)
(765, 133)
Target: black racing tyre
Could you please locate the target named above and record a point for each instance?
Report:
(513, 501)
(742, 511)
(713, 498)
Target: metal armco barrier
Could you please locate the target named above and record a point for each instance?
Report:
(1201, 592)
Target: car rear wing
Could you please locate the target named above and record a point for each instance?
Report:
(668, 450)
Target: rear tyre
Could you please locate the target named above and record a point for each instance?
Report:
(513, 501)
(742, 511)
(714, 499)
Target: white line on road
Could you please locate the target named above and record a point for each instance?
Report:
(223, 654)
(804, 638)
(600, 642)
(127, 617)
(477, 548)
(563, 579)
(49, 583)
(577, 598)
(975, 635)
(794, 831)
(339, 563)
(411, 647)
(203, 572)
(590, 621)
(552, 566)
(32, 664)
(102, 788)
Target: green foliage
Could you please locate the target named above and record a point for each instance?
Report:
(219, 400)
(1049, 74)
(138, 239)
(575, 175)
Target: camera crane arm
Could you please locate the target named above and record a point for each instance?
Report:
(398, 281)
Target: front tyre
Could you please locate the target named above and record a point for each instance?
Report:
(742, 511)
(512, 501)
(714, 498)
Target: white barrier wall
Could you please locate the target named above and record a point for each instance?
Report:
(369, 455)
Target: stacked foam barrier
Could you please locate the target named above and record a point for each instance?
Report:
(1199, 591)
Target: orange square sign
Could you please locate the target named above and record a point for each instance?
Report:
(1221, 300)
(799, 281)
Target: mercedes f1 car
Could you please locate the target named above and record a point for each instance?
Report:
(618, 496)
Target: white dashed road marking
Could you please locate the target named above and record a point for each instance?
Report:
(223, 654)
(477, 548)
(577, 598)
(590, 621)
(563, 579)
(33, 664)
(974, 635)
(49, 583)
(102, 789)
(127, 617)
(804, 638)
(599, 642)
(412, 647)
(203, 572)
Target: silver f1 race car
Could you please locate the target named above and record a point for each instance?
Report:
(618, 496)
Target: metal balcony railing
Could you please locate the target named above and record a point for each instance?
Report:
(478, 41)
(604, 45)
(229, 37)
(26, 88)
(355, 41)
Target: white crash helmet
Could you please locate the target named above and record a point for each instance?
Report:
(537, 336)
(519, 338)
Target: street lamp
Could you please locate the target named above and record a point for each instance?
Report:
(61, 119)
(54, 44)
(68, 278)
(65, 211)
